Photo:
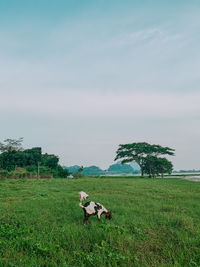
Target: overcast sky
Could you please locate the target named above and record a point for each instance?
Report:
(78, 78)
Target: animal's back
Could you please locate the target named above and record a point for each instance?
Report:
(90, 207)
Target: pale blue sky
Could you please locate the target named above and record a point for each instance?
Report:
(80, 77)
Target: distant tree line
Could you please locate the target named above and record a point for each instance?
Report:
(187, 171)
(114, 169)
(14, 158)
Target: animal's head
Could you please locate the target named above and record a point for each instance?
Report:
(83, 196)
(109, 215)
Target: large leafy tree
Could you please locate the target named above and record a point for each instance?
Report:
(50, 161)
(33, 156)
(138, 152)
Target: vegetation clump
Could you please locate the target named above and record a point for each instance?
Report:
(16, 162)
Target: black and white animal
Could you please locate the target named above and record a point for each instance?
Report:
(92, 208)
(82, 196)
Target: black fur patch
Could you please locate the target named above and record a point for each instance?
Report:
(86, 204)
(97, 207)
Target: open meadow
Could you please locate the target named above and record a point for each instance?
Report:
(156, 222)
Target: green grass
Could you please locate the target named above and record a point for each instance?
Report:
(156, 222)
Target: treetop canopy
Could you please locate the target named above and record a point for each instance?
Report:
(142, 149)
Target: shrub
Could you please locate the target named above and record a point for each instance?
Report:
(77, 175)
(3, 174)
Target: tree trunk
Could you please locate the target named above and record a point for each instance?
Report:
(141, 167)
(142, 171)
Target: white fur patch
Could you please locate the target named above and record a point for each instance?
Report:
(90, 209)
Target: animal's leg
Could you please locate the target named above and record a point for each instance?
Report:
(99, 215)
(86, 218)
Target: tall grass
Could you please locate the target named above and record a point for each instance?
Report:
(156, 222)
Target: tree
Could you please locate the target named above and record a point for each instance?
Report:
(60, 172)
(50, 161)
(11, 144)
(139, 151)
(80, 170)
(12, 158)
(157, 166)
(34, 155)
(164, 166)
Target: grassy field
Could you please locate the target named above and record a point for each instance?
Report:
(156, 222)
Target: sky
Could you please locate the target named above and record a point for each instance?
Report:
(78, 78)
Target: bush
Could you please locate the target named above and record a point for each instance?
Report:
(19, 175)
(60, 172)
(77, 175)
(4, 174)
(32, 169)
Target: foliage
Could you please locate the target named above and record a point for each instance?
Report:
(34, 162)
(50, 161)
(11, 144)
(77, 175)
(33, 156)
(12, 158)
(157, 166)
(60, 172)
(80, 169)
(19, 174)
(3, 173)
(139, 151)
